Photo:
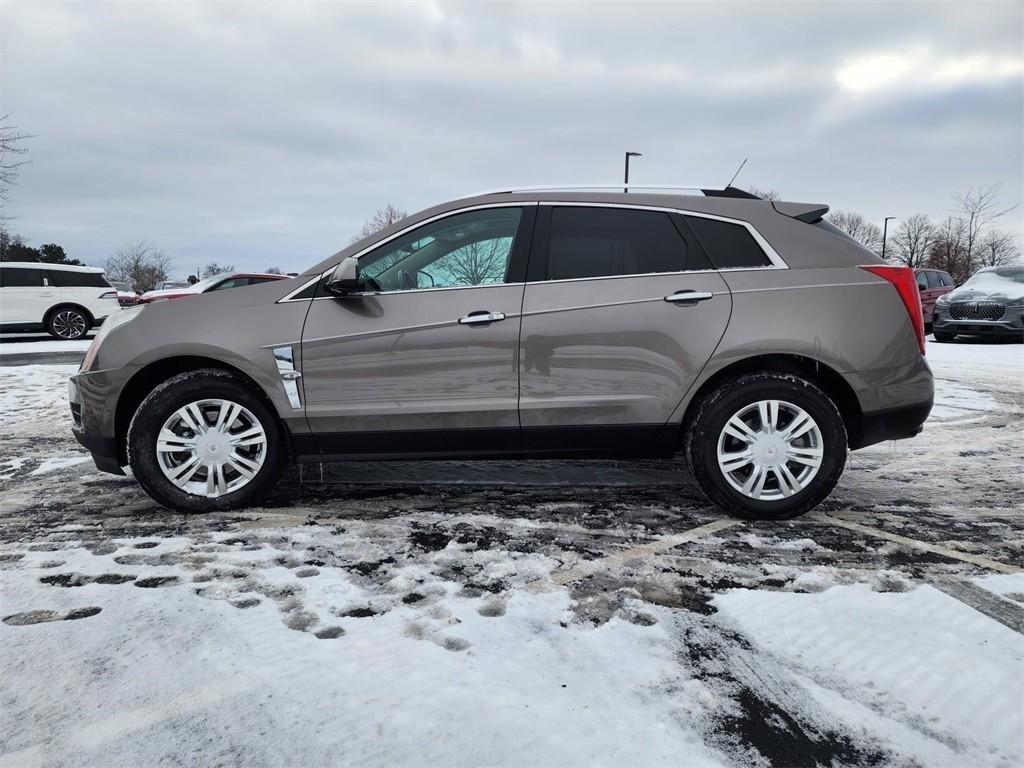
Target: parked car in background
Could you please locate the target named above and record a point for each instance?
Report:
(126, 295)
(65, 301)
(531, 324)
(990, 303)
(215, 283)
(931, 283)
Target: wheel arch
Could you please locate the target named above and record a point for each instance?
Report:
(826, 378)
(150, 376)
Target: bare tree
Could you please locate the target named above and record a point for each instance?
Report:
(997, 248)
(384, 217)
(11, 150)
(477, 263)
(911, 243)
(948, 251)
(978, 209)
(860, 229)
(139, 264)
(273, 271)
(213, 268)
(764, 194)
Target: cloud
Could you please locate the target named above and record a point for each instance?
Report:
(921, 68)
(266, 133)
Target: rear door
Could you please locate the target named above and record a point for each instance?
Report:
(425, 360)
(620, 314)
(24, 295)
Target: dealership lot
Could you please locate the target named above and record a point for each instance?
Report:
(521, 613)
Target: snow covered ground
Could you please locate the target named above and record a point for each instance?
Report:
(44, 346)
(550, 613)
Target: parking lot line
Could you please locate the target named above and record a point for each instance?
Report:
(663, 544)
(938, 549)
(1006, 612)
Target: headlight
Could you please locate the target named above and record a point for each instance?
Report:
(943, 299)
(1016, 303)
(114, 320)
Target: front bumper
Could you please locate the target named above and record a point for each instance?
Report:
(1010, 324)
(87, 396)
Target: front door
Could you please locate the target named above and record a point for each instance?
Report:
(618, 320)
(425, 359)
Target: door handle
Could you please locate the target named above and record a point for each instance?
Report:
(689, 297)
(479, 318)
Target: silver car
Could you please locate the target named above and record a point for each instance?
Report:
(534, 323)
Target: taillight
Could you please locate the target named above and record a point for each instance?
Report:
(906, 286)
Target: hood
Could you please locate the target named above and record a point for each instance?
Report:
(989, 286)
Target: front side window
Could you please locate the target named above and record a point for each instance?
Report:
(934, 279)
(607, 242)
(19, 277)
(466, 249)
(729, 246)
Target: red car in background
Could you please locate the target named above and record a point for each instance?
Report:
(215, 283)
(932, 283)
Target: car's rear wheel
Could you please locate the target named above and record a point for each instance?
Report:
(68, 323)
(767, 445)
(205, 441)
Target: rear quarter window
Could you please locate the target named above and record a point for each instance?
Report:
(728, 246)
(69, 279)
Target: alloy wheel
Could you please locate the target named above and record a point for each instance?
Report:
(69, 324)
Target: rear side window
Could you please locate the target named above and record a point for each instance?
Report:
(606, 242)
(729, 246)
(19, 277)
(947, 281)
(69, 279)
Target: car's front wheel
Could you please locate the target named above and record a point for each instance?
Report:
(767, 445)
(205, 441)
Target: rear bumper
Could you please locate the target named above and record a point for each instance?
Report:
(893, 424)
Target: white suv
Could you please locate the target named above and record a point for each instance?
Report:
(67, 301)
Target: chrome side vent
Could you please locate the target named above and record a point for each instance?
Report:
(285, 358)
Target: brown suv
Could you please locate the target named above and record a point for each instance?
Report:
(529, 323)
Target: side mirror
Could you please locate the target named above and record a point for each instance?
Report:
(345, 278)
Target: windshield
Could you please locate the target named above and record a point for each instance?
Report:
(207, 283)
(998, 274)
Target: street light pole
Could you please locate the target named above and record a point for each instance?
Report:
(885, 233)
(625, 179)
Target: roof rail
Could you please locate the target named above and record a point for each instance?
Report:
(602, 187)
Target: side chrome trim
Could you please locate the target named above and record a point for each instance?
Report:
(776, 260)
(389, 238)
(285, 359)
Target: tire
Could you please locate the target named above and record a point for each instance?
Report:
(68, 323)
(942, 338)
(808, 486)
(244, 470)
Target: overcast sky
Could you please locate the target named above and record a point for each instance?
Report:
(264, 134)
